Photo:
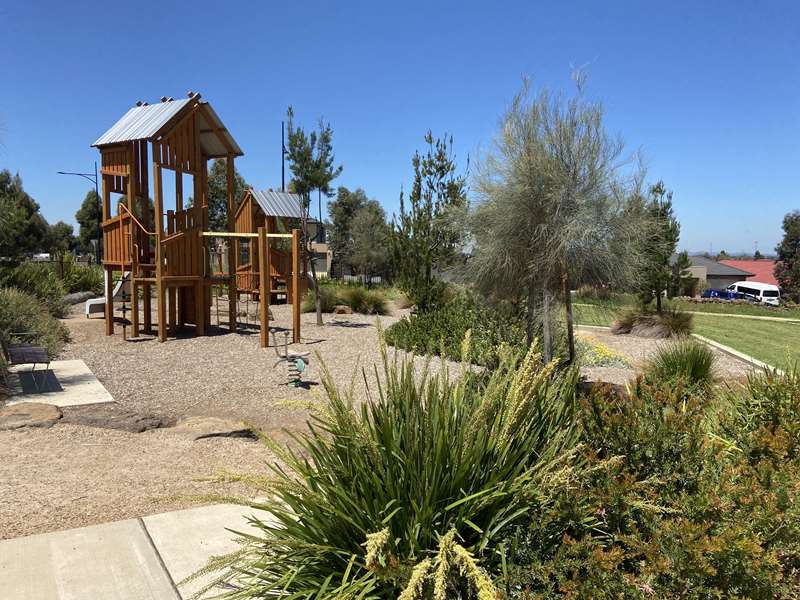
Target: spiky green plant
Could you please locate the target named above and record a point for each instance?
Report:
(373, 490)
(685, 359)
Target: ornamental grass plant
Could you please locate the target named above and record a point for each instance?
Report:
(408, 493)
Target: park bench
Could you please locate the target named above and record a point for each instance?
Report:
(26, 354)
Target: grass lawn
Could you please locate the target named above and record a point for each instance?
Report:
(769, 341)
(777, 344)
(739, 309)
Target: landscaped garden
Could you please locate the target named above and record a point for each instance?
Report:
(475, 430)
(771, 341)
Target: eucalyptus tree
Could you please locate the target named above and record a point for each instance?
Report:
(550, 212)
(311, 161)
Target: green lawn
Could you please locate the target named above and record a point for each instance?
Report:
(777, 344)
(772, 342)
(739, 309)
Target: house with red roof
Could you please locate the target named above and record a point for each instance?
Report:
(762, 270)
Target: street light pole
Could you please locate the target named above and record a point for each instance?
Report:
(93, 178)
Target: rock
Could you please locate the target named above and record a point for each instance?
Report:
(609, 380)
(110, 415)
(199, 428)
(28, 414)
(79, 297)
(342, 309)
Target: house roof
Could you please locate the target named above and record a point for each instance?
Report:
(279, 204)
(146, 122)
(717, 269)
(763, 270)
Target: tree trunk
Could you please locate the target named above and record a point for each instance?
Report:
(317, 295)
(546, 339)
(658, 302)
(568, 306)
(531, 320)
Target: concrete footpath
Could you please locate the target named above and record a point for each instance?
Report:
(135, 559)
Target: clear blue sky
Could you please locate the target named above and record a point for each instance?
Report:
(709, 92)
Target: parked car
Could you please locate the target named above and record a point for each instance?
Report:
(727, 295)
(765, 293)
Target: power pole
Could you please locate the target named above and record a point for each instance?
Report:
(283, 161)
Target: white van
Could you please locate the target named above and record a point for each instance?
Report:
(762, 292)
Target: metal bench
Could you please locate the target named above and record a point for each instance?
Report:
(27, 354)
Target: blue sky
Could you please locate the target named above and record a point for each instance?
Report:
(708, 92)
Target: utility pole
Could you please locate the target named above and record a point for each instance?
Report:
(283, 160)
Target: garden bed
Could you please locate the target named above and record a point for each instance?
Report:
(639, 350)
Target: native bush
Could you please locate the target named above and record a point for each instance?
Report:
(362, 300)
(21, 312)
(328, 298)
(358, 298)
(643, 322)
(79, 278)
(441, 330)
(39, 280)
(414, 486)
(685, 359)
(669, 507)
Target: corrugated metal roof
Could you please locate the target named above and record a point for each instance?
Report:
(141, 122)
(279, 204)
(144, 122)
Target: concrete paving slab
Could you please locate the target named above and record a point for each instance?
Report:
(187, 539)
(70, 383)
(114, 561)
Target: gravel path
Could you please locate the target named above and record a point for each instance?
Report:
(638, 350)
(73, 475)
(224, 375)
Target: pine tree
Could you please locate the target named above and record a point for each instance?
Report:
(658, 245)
(425, 238)
(311, 161)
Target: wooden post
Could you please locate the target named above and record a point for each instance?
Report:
(134, 307)
(296, 286)
(171, 292)
(147, 308)
(263, 285)
(159, 230)
(106, 199)
(231, 226)
(200, 315)
(178, 189)
(109, 279)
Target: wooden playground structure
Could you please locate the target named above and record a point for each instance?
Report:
(276, 212)
(169, 253)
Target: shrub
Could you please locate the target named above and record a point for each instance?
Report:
(21, 312)
(596, 292)
(358, 298)
(593, 353)
(80, 278)
(686, 359)
(39, 280)
(441, 330)
(644, 323)
(674, 511)
(328, 296)
(767, 409)
(375, 303)
(430, 464)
